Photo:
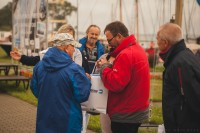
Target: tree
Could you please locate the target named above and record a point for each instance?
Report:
(6, 17)
(61, 10)
(56, 11)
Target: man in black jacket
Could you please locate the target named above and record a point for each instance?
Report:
(181, 82)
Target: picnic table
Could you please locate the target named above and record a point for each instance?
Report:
(18, 79)
(5, 67)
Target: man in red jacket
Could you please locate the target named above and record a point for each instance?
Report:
(127, 79)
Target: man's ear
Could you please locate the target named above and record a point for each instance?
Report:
(66, 49)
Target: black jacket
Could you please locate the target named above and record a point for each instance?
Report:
(29, 60)
(181, 90)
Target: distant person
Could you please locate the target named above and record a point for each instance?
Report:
(60, 86)
(33, 60)
(91, 48)
(181, 82)
(151, 53)
(127, 79)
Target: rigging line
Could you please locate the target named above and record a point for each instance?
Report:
(161, 8)
(117, 4)
(115, 17)
(190, 18)
(112, 11)
(132, 18)
(156, 22)
(163, 11)
(153, 80)
(88, 18)
(151, 85)
(128, 20)
(144, 27)
(189, 14)
(186, 30)
(169, 11)
(153, 25)
(192, 24)
(170, 7)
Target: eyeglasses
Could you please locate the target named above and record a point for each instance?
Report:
(109, 40)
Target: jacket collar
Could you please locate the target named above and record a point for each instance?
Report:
(169, 55)
(128, 41)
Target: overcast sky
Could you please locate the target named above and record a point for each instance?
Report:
(4, 2)
(152, 13)
(102, 12)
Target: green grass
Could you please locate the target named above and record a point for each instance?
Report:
(156, 90)
(156, 115)
(159, 68)
(94, 123)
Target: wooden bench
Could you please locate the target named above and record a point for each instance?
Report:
(17, 78)
(6, 68)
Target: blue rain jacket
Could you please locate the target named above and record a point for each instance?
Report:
(60, 86)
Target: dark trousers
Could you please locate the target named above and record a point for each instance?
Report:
(124, 127)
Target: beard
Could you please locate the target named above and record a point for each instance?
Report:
(92, 40)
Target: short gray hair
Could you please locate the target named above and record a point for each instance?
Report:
(170, 32)
(66, 28)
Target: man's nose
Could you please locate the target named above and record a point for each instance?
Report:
(94, 36)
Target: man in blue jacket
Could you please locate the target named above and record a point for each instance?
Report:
(60, 86)
(91, 48)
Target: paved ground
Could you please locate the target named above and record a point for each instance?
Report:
(17, 116)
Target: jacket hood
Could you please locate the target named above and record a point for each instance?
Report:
(56, 59)
(128, 41)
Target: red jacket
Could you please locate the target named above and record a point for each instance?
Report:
(128, 81)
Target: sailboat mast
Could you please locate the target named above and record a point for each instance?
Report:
(137, 21)
(77, 37)
(120, 7)
(179, 12)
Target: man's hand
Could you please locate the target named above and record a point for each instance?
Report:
(15, 55)
(100, 62)
(88, 75)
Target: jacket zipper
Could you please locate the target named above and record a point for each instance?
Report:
(181, 85)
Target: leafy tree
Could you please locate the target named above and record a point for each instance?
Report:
(60, 10)
(56, 11)
(6, 17)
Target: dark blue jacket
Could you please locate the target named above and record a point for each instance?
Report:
(60, 86)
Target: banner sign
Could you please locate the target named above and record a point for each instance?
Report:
(29, 25)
